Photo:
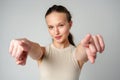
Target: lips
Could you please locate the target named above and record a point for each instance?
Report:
(57, 37)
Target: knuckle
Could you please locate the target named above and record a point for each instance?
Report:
(98, 35)
(98, 49)
(95, 37)
(20, 43)
(94, 51)
(93, 48)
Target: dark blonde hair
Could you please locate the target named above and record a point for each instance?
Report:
(60, 8)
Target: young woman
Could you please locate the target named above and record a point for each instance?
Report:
(61, 60)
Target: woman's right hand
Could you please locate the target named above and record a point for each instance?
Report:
(19, 49)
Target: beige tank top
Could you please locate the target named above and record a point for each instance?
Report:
(59, 64)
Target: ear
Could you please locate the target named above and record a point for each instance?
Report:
(70, 23)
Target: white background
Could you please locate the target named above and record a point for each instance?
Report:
(25, 18)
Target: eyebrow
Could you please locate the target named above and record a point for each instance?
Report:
(58, 23)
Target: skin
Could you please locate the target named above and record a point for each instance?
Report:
(59, 28)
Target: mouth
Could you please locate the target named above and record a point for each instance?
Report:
(58, 37)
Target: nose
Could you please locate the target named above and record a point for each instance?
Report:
(56, 31)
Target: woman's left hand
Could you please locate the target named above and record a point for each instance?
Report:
(92, 44)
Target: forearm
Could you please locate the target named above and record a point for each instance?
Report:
(81, 55)
(36, 51)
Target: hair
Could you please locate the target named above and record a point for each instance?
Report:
(62, 9)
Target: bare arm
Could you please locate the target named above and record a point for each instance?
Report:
(88, 48)
(21, 48)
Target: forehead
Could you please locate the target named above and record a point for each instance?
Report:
(56, 17)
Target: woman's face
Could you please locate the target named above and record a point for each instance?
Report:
(58, 26)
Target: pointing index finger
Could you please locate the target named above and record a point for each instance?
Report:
(86, 40)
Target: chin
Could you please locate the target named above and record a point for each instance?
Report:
(59, 41)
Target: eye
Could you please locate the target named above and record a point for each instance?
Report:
(61, 25)
(50, 27)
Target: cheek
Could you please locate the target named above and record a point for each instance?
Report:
(65, 31)
(51, 33)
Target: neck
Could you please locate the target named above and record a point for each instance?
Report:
(61, 45)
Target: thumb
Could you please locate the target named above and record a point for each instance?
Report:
(90, 57)
(86, 40)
